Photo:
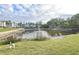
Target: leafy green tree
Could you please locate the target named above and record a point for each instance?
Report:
(75, 20)
(53, 23)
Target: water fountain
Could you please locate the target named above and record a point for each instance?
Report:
(39, 34)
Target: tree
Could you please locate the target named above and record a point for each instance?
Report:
(75, 20)
(53, 23)
(20, 24)
(45, 26)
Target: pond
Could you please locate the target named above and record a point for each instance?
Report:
(38, 34)
(32, 34)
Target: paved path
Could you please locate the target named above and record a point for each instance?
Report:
(6, 34)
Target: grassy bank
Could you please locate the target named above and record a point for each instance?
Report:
(6, 29)
(69, 45)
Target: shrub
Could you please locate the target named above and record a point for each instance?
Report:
(8, 40)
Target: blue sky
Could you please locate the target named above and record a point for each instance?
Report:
(32, 12)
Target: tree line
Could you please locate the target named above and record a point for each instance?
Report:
(72, 22)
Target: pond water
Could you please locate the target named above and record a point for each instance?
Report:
(31, 34)
(37, 34)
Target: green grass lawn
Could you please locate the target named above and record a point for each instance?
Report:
(6, 29)
(67, 46)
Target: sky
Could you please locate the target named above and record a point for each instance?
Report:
(38, 12)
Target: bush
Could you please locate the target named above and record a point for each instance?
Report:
(8, 40)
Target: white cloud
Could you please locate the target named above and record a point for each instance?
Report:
(68, 6)
(42, 11)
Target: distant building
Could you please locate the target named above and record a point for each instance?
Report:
(14, 24)
(2, 24)
(11, 24)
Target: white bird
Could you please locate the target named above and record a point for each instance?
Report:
(11, 45)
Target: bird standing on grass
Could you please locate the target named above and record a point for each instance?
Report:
(11, 45)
